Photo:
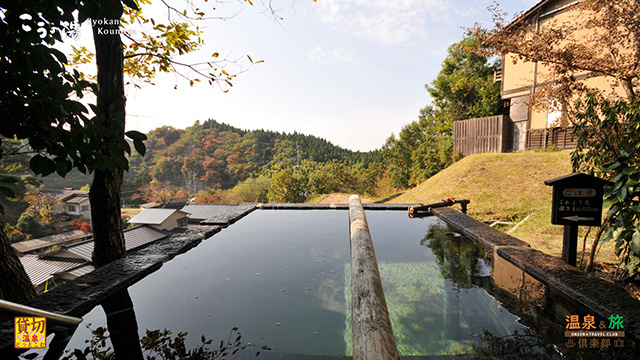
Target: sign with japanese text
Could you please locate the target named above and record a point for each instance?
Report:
(30, 333)
(577, 200)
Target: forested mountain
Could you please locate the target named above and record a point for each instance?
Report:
(213, 155)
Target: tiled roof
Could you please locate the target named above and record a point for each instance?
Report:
(217, 214)
(42, 269)
(153, 216)
(64, 195)
(31, 245)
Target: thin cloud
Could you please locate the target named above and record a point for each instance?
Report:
(392, 22)
(319, 55)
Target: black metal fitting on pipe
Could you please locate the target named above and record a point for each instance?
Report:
(425, 209)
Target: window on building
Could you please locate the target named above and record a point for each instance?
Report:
(554, 117)
(182, 222)
(71, 208)
(85, 208)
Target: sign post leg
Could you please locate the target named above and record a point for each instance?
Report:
(570, 244)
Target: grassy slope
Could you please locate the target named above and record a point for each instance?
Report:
(506, 186)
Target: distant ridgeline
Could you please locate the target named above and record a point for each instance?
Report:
(217, 155)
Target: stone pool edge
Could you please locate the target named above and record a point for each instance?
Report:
(78, 296)
(596, 296)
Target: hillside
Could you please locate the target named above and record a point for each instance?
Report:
(500, 186)
(220, 155)
(508, 187)
(213, 155)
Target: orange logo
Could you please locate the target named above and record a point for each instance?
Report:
(30, 332)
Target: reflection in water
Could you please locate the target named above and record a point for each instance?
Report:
(330, 291)
(430, 283)
(529, 346)
(517, 346)
(122, 334)
(459, 260)
(122, 325)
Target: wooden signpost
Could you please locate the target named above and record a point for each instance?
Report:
(577, 201)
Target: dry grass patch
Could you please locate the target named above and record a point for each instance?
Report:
(500, 186)
(509, 187)
(131, 212)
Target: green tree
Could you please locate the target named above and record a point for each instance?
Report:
(463, 89)
(607, 145)
(141, 58)
(330, 177)
(253, 189)
(287, 186)
(34, 94)
(29, 224)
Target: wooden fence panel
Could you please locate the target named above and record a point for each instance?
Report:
(562, 138)
(482, 135)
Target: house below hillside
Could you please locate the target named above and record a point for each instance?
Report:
(161, 219)
(75, 202)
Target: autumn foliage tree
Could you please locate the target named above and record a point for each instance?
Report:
(161, 192)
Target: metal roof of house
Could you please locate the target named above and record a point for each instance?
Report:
(49, 241)
(133, 239)
(82, 270)
(154, 216)
(64, 195)
(173, 204)
(217, 214)
(42, 269)
(76, 199)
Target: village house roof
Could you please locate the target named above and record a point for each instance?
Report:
(66, 194)
(154, 216)
(41, 269)
(74, 259)
(173, 204)
(76, 199)
(44, 242)
(133, 238)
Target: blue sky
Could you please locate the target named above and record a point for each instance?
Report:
(350, 71)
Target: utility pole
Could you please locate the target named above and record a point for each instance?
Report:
(297, 160)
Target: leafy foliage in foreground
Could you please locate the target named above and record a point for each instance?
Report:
(607, 145)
